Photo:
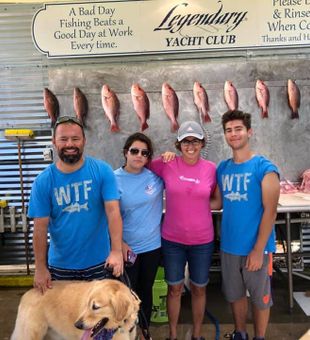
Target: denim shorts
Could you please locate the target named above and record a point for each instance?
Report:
(198, 258)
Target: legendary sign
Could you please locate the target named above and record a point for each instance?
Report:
(157, 26)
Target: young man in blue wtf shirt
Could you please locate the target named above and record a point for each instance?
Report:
(249, 185)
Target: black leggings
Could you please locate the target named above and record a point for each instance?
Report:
(142, 275)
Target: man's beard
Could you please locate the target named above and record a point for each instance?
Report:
(70, 158)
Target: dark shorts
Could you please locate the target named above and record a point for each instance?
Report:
(198, 258)
(237, 280)
(97, 272)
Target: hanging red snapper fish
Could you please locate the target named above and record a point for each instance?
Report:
(262, 97)
(171, 105)
(51, 105)
(111, 106)
(230, 95)
(293, 94)
(141, 105)
(80, 104)
(202, 102)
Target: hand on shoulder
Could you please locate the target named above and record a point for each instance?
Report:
(168, 156)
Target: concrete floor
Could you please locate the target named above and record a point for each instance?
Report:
(283, 325)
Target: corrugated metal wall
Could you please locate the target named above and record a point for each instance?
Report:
(22, 78)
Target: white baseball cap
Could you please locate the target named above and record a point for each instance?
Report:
(190, 128)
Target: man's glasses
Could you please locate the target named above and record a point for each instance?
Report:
(188, 142)
(135, 151)
(68, 119)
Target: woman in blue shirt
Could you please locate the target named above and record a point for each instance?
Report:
(141, 202)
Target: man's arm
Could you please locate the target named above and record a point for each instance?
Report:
(270, 197)
(42, 276)
(216, 199)
(115, 258)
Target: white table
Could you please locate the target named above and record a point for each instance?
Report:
(287, 210)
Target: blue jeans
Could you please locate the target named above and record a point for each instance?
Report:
(198, 257)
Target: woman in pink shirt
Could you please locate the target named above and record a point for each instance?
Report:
(187, 230)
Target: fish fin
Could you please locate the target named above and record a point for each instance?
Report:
(114, 128)
(295, 115)
(144, 126)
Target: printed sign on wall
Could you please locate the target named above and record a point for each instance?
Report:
(157, 26)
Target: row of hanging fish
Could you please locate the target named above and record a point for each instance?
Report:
(263, 97)
(111, 105)
(170, 102)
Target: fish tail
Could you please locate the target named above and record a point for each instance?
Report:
(174, 126)
(114, 128)
(144, 126)
(295, 115)
(206, 118)
(53, 122)
(264, 113)
(83, 120)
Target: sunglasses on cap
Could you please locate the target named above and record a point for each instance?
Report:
(68, 119)
(135, 151)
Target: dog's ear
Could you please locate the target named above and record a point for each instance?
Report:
(135, 301)
(121, 305)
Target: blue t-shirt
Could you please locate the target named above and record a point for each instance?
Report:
(74, 203)
(141, 205)
(240, 186)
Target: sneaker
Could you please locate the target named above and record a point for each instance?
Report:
(237, 336)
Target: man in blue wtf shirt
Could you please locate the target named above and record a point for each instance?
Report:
(76, 200)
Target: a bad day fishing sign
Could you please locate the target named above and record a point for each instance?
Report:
(150, 27)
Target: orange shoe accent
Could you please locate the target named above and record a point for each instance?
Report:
(266, 299)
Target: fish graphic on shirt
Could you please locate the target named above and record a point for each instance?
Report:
(76, 207)
(236, 196)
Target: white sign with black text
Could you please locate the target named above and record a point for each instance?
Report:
(157, 26)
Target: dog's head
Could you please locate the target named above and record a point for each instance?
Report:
(109, 304)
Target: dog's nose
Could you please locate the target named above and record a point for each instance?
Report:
(79, 324)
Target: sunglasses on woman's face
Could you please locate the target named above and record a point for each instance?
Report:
(135, 151)
(188, 142)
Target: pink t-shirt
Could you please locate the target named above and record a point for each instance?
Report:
(188, 218)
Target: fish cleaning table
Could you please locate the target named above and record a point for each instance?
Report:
(288, 204)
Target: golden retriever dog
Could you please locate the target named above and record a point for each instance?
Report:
(75, 310)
